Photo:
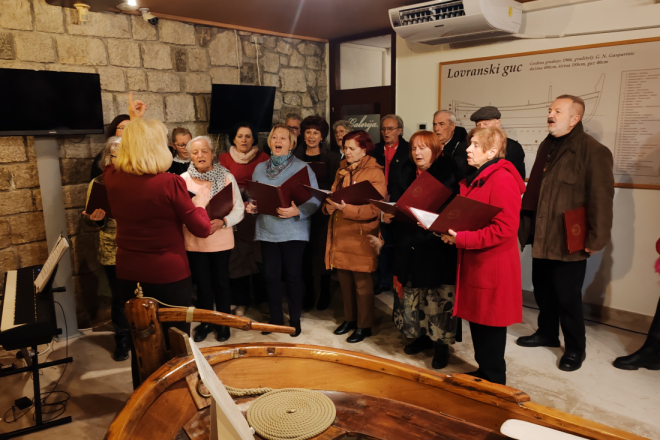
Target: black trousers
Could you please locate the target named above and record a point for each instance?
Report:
(558, 293)
(314, 258)
(241, 287)
(211, 274)
(178, 293)
(385, 276)
(489, 344)
(279, 259)
(116, 304)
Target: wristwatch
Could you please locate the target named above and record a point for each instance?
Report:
(224, 223)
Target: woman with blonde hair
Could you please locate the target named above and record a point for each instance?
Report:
(108, 251)
(151, 206)
(283, 238)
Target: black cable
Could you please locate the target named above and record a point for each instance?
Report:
(601, 323)
(59, 404)
(75, 142)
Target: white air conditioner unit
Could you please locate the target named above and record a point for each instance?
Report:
(451, 21)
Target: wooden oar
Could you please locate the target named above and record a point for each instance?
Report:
(178, 314)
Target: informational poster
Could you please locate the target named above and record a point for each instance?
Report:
(368, 123)
(619, 83)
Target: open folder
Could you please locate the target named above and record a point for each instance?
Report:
(270, 197)
(221, 204)
(462, 214)
(98, 199)
(358, 194)
(426, 193)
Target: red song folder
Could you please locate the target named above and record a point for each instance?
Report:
(98, 199)
(270, 197)
(576, 229)
(426, 193)
(221, 204)
(462, 214)
(358, 194)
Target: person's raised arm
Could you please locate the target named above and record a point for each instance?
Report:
(136, 109)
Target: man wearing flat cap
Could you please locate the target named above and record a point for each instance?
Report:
(489, 116)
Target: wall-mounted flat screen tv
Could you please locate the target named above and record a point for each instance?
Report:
(231, 104)
(49, 103)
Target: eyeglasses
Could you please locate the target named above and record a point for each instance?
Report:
(180, 145)
(386, 129)
(120, 128)
(114, 157)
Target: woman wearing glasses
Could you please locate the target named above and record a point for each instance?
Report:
(181, 161)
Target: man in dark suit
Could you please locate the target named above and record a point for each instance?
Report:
(391, 153)
(489, 116)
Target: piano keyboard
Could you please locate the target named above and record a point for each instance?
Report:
(19, 305)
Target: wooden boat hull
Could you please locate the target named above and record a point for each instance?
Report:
(162, 405)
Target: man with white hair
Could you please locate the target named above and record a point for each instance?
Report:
(571, 170)
(451, 136)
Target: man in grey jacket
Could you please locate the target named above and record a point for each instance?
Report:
(571, 170)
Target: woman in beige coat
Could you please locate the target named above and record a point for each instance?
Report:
(348, 248)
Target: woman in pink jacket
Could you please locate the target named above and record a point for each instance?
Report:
(209, 257)
(488, 284)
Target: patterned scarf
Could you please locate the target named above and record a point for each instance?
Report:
(243, 158)
(348, 171)
(277, 164)
(216, 176)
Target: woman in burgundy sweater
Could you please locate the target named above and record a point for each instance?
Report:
(151, 206)
(245, 268)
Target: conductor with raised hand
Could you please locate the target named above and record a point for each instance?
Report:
(151, 206)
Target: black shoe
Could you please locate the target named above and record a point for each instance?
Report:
(571, 361)
(381, 289)
(296, 325)
(537, 340)
(359, 334)
(201, 331)
(418, 345)
(440, 356)
(222, 333)
(476, 373)
(121, 347)
(642, 358)
(346, 327)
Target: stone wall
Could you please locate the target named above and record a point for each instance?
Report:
(170, 66)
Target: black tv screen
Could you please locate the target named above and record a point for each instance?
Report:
(49, 103)
(231, 104)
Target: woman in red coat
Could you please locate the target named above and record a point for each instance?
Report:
(488, 284)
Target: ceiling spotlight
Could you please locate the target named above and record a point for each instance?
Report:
(128, 5)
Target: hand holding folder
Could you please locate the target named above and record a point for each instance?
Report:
(221, 204)
(426, 193)
(98, 199)
(358, 194)
(462, 214)
(269, 198)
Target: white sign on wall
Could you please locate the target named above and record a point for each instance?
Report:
(619, 82)
(368, 123)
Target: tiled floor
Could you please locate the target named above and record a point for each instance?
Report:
(628, 400)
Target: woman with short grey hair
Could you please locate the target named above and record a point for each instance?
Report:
(209, 257)
(340, 129)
